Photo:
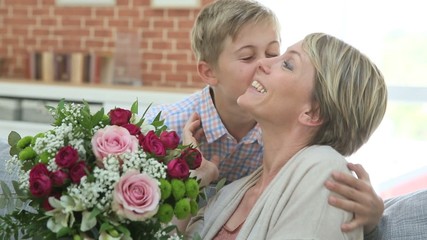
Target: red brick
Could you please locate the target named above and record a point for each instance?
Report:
(20, 11)
(79, 12)
(94, 43)
(40, 11)
(162, 67)
(147, 34)
(118, 23)
(185, 23)
(178, 34)
(44, 22)
(163, 45)
(93, 23)
(183, 45)
(66, 33)
(185, 13)
(49, 43)
(154, 13)
(176, 77)
(161, 23)
(19, 31)
(102, 33)
(140, 23)
(125, 13)
(71, 22)
(151, 55)
(19, 21)
(141, 3)
(19, 2)
(104, 12)
(182, 57)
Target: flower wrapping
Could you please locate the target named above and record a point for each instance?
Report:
(100, 176)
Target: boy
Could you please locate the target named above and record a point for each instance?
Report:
(228, 38)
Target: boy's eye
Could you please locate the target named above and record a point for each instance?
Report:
(287, 65)
(271, 55)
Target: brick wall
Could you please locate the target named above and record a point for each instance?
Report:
(40, 25)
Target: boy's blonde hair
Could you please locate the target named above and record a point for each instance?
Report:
(224, 18)
(350, 91)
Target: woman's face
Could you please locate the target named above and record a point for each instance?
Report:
(282, 88)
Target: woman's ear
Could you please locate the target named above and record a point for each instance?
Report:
(207, 73)
(311, 117)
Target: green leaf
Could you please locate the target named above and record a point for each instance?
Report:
(105, 227)
(13, 138)
(146, 110)
(97, 117)
(3, 202)
(6, 189)
(95, 212)
(134, 108)
(63, 232)
(220, 184)
(14, 150)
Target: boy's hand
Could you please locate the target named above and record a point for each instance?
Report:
(359, 198)
(208, 170)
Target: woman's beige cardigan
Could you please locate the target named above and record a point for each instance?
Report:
(294, 205)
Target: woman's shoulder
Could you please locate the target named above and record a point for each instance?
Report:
(322, 156)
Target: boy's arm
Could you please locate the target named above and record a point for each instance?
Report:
(359, 198)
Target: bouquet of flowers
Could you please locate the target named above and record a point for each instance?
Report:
(100, 176)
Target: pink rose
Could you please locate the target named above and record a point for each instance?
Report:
(193, 157)
(178, 168)
(78, 171)
(113, 140)
(58, 178)
(39, 170)
(132, 128)
(152, 144)
(136, 196)
(66, 157)
(40, 186)
(119, 116)
(169, 139)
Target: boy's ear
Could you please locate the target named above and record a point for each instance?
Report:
(311, 117)
(207, 73)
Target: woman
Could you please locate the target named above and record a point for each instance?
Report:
(319, 101)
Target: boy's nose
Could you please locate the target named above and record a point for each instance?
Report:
(264, 65)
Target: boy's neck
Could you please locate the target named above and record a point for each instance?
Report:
(237, 122)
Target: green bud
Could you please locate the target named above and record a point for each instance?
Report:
(27, 154)
(165, 189)
(192, 188)
(24, 142)
(77, 237)
(194, 207)
(178, 188)
(38, 135)
(44, 157)
(165, 213)
(113, 233)
(182, 208)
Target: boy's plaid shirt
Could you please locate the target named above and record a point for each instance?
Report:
(238, 159)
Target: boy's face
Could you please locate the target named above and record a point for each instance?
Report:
(237, 62)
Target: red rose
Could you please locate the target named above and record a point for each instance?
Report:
(152, 144)
(193, 157)
(169, 139)
(119, 116)
(178, 168)
(58, 178)
(38, 170)
(78, 171)
(66, 157)
(40, 186)
(132, 128)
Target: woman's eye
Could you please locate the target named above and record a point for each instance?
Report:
(248, 58)
(287, 65)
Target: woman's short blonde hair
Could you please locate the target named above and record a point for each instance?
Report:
(350, 92)
(224, 18)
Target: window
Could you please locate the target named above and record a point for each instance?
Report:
(393, 35)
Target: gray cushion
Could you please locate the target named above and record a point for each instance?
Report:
(405, 217)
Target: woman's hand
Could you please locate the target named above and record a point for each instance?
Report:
(208, 170)
(359, 198)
